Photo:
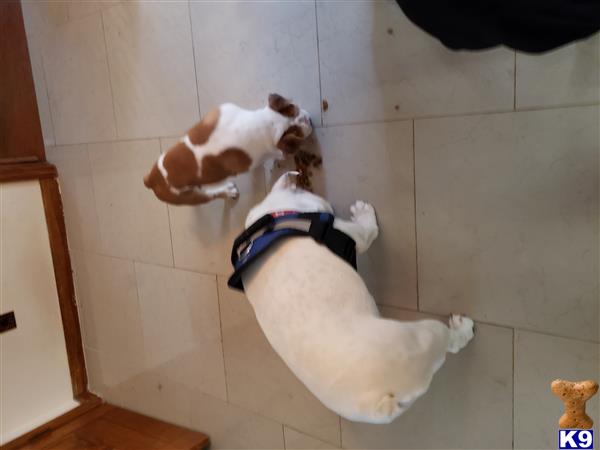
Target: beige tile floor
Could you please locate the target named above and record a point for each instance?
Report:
(483, 168)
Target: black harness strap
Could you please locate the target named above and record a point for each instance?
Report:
(257, 238)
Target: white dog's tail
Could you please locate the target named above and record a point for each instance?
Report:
(382, 410)
(387, 409)
(286, 180)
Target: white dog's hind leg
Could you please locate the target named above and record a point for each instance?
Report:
(402, 358)
(461, 332)
(362, 226)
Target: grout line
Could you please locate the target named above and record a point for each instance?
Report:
(250, 411)
(383, 305)
(168, 218)
(137, 291)
(112, 141)
(366, 122)
(91, 348)
(319, 64)
(309, 434)
(543, 333)
(96, 215)
(134, 260)
(466, 114)
(128, 139)
(515, 82)
(171, 236)
(514, 337)
(194, 59)
(222, 340)
(340, 423)
(493, 324)
(112, 93)
(415, 213)
(48, 99)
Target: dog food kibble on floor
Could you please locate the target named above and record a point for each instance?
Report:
(304, 161)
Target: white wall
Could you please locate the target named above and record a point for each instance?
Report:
(35, 384)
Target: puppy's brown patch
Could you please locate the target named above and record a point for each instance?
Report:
(200, 132)
(181, 166)
(215, 168)
(291, 140)
(283, 106)
(155, 181)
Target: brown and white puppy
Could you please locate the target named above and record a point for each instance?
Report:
(229, 140)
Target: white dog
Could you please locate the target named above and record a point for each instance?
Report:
(318, 315)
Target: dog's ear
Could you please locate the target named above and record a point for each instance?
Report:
(291, 140)
(282, 105)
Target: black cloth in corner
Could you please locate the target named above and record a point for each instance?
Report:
(533, 26)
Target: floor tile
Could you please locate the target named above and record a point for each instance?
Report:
(203, 234)
(468, 405)
(151, 61)
(540, 359)
(507, 218)
(77, 192)
(78, 83)
(106, 291)
(271, 48)
(42, 17)
(100, 380)
(564, 76)
(82, 8)
(257, 379)
(231, 427)
(294, 440)
(41, 91)
(133, 222)
(185, 337)
(375, 65)
(154, 395)
(374, 163)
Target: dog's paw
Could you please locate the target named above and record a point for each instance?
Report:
(363, 213)
(461, 332)
(232, 190)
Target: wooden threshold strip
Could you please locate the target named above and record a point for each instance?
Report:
(97, 425)
(27, 171)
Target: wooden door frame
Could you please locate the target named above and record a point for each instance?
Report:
(63, 273)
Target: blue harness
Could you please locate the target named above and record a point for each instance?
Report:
(267, 230)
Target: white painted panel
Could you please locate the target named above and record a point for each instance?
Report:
(35, 384)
